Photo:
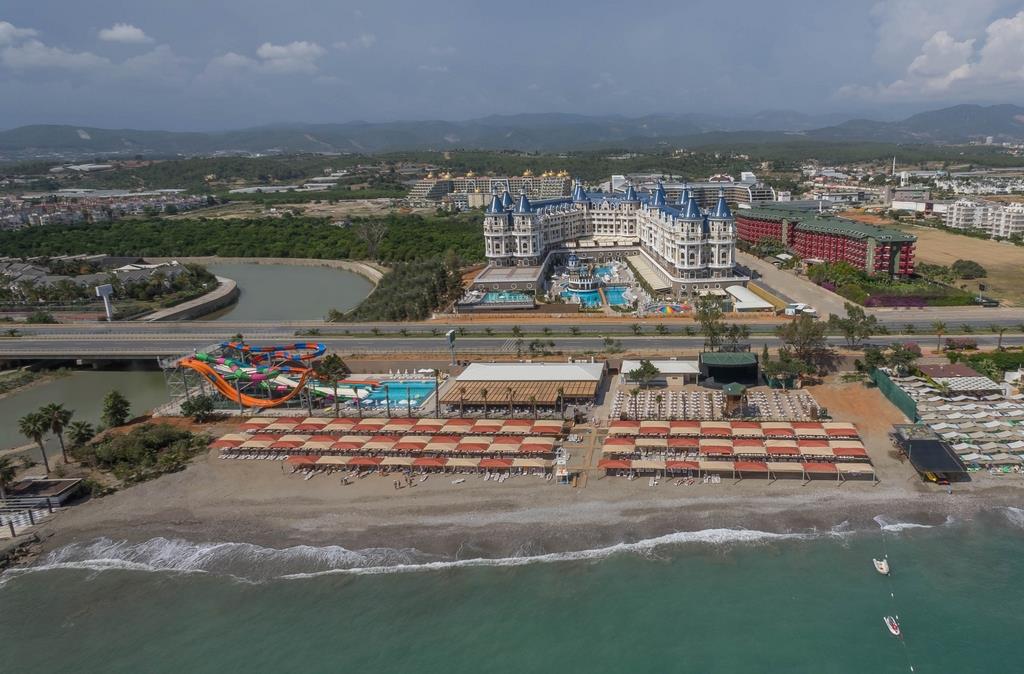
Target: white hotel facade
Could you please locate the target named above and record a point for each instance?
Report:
(678, 248)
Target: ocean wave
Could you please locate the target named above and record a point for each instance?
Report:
(895, 526)
(1015, 516)
(253, 563)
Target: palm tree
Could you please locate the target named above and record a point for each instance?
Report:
(483, 394)
(634, 394)
(511, 413)
(58, 417)
(462, 402)
(7, 473)
(331, 369)
(533, 403)
(999, 330)
(939, 328)
(387, 399)
(81, 432)
(34, 426)
(658, 398)
(561, 401)
(437, 396)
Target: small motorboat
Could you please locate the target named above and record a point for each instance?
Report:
(892, 624)
(882, 566)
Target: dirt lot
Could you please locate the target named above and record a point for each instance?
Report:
(874, 417)
(1002, 260)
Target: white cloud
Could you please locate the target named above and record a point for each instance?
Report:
(944, 66)
(125, 33)
(9, 33)
(33, 54)
(295, 57)
(364, 41)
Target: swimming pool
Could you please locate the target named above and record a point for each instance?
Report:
(505, 297)
(588, 298)
(603, 270)
(615, 295)
(399, 391)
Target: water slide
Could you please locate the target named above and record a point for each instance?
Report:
(228, 390)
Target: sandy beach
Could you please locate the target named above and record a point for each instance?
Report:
(258, 502)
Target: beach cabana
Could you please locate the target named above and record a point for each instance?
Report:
(462, 463)
(746, 429)
(516, 426)
(624, 428)
(434, 462)
(686, 444)
(279, 427)
(715, 447)
(252, 425)
(841, 429)
(652, 443)
(365, 461)
(716, 429)
(398, 426)
(397, 461)
(657, 428)
(856, 471)
(533, 465)
(547, 427)
(411, 443)
(428, 426)
(609, 465)
(380, 443)
(786, 468)
(751, 468)
(471, 445)
(289, 441)
(458, 426)
(675, 466)
(297, 460)
(487, 427)
(339, 425)
(442, 443)
(495, 464)
(819, 468)
(848, 449)
(686, 427)
(346, 446)
(537, 445)
(311, 424)
(332, 461)
(777, 429)
(777, 447)
(648, 465)
(717, 467)
(369, 426)
(748, 447)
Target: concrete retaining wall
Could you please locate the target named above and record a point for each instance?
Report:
(225, 295)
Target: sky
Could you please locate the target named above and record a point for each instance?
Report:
(228, 64)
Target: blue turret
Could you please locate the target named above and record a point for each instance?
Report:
(684, 197)
(721, 210)
(630, 193)
(692, 211)
(660, 199)
(524, 204)
(495, 208)
(578, 193)
(506, 200)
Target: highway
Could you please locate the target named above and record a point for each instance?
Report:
(117, 346)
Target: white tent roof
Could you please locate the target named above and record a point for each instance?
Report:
(664, 366)
(533, 372)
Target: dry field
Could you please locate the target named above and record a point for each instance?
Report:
(1004, 261)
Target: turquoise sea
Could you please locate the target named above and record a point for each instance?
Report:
(710, 601)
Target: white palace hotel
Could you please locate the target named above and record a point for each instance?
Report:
(675, 248)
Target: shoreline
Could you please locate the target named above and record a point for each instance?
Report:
(371, 272)
(264, 507)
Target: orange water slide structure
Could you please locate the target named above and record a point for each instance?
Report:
(229, 392)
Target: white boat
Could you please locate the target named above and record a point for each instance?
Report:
(893, 624)
(882, 566)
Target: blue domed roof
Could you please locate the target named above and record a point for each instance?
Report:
(660, 198)
(684, 197)
(630, 193)
(495, 207)
(506, 200)
(721, 210)
(692, 211)
(524, 204)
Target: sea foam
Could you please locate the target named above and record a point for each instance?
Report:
(254, 563)
(895, 526)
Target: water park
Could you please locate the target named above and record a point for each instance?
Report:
(594, 286)
(241, 376)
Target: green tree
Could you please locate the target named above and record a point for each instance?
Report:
(116, 409)
(645, 374)
(331, 369)
(80, 432)
(900, 358)
(806, 338)
(34, 427)
(709, 315)
(856, 326)
(968, 269)
(636, 328)
(939, 328)
(7, 473)
(998, 330)
(661, 329)
(58, 417)
(201, 408)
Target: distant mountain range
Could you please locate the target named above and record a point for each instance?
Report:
(544, 132)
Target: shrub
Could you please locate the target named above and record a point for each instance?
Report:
(961, 344)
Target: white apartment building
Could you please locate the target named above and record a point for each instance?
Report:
(996, 219)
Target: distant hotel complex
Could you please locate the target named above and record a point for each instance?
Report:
(677, 247)
(812, 236)
(473, 191)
